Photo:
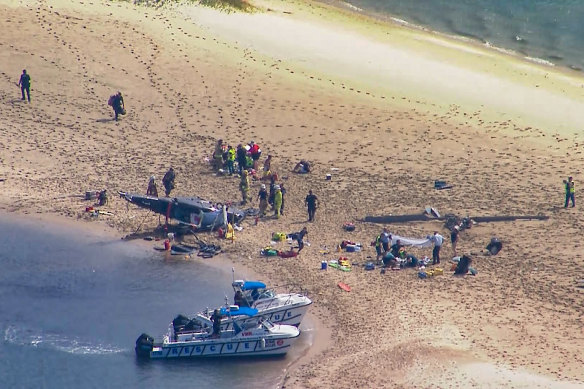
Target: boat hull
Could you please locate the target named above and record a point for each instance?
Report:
(286, 314)
(240, 348)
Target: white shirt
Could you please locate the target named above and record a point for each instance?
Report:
(437, 239)
(384, 237)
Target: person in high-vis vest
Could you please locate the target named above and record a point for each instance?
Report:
(244, 187)
(230, 160)
(378, 246)
(277, 201)
(569, 185)
(218, 155)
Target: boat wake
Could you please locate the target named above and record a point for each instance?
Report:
(27, 337)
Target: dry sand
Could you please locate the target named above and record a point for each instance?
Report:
(392, 109)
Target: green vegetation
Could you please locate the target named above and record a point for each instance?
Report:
(238, 5)
(224, 5)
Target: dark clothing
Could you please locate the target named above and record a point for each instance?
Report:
(569, 193)
(263, 194)
(240, 155)
(102, 197)
(283, 190)
(454, 236)
(168, 181)
(299, 237)
(569, 196)
(152, 189)
(436, 254)
(117, 103)
(25, 85)
(395, 248)
(216, 324)
(388, 259)
(310, 201)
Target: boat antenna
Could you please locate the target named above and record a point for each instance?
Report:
(232, 275)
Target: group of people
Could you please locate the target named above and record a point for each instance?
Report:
(246, 157)
(115, 101)
(274, 198)
(167, 182)
(390, 253)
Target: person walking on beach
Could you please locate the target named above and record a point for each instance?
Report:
(277, 201)
(152, 189)
(569, 185)
(454, 239)
(24, 84)
(263, 197)
(311, 202)
(117, 103)
(437, 239)
(168, 181)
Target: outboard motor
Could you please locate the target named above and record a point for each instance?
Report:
(144, 345)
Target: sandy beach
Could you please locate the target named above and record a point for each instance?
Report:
(386, 110)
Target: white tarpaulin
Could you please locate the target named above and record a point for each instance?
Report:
(422, 243)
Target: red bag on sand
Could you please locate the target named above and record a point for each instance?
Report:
(345, 243)
(287, 254)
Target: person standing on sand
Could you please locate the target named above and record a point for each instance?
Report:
(244, 187)
(437, 239)
(569, 185)
(24, 84)
(255, 152)
(263, 197)
(272, 191)
(283, 190)
(168, 181)
(277, 201)
(230, 160)
(152, 189)
(311, 202)
(454, 239)
(241, 156)
(385, 238)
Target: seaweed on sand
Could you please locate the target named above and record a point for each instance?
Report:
(224, 5)
(240, 5)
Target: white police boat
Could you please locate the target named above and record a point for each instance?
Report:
(279, 308)
(204, 339)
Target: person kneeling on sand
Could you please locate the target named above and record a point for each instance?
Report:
(299, 237)
(302, 167)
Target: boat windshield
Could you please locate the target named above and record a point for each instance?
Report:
(267, 324)
(267, 294)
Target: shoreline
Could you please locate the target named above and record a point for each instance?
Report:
(385, 48)
(383, 153)
(390, 18)
(223, 262)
